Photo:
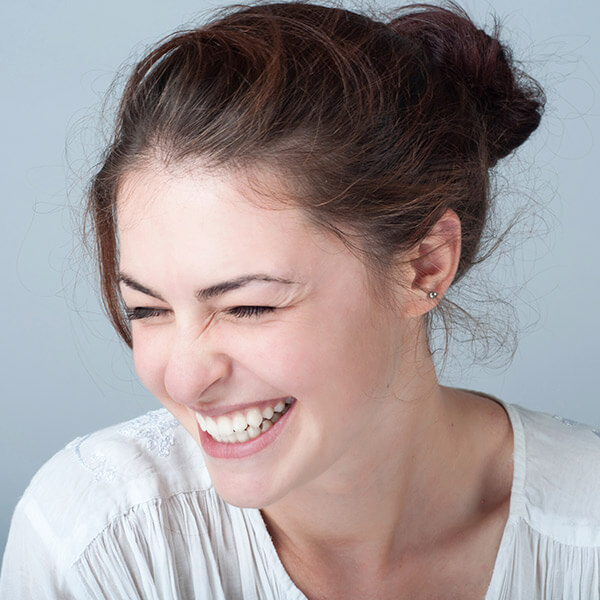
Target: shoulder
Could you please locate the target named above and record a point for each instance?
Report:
(98, 478)
(551, 544)
(123, 513)
(557, 474)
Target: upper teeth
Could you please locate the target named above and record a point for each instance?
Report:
(241, 425)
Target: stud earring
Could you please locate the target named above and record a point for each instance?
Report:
(433, 295)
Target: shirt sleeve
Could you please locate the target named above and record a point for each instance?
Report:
(31, 566)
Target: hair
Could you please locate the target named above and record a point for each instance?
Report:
(378, 127)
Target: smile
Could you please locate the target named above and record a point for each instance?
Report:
(243, 426)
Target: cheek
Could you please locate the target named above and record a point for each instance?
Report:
(150, 360)
(327, 355)
(274, 356)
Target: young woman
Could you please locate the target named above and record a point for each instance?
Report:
(290, 192)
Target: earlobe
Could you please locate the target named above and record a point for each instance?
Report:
(433, 264)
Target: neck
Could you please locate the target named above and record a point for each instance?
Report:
(385, 494)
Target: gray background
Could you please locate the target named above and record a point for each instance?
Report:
(63, 371)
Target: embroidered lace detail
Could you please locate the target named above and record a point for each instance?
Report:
(97, 462)
(571, 423)
(156, 427)
(565, 421)
(76, 443)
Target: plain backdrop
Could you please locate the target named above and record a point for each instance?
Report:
(63, 371)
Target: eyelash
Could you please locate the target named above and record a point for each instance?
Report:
(250, 311)
(241, 312)
(141, 312)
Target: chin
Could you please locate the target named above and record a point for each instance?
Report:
(246, 492)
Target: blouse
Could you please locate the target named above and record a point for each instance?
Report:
(130, 512)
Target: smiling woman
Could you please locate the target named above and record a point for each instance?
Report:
(291, 191)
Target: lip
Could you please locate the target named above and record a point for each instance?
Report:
(229, 410)
(216, 449)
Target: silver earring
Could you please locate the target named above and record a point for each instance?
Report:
(433, 295)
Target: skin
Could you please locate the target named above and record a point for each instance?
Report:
(381, 480)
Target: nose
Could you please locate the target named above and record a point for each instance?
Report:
(193, 368)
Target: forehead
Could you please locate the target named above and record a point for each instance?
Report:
(170, 220)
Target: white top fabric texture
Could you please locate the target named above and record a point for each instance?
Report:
(130, 513)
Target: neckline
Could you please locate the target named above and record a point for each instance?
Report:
(516, 492)
(279, 571)
(514, 511)
(519, 463)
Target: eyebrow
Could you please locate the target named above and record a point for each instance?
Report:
(233, 284)
(210, 292)
(134, 285)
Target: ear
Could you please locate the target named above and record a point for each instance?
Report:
(432, 265)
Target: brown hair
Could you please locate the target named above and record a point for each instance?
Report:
(379, 127)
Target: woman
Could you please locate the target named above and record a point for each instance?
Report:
(290, 192)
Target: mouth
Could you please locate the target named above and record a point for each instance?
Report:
(243, 426)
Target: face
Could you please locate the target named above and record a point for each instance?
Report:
(250, 323)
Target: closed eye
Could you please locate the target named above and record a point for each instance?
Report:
(249, 311)
(143, 312)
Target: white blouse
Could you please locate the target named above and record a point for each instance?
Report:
(130, 512)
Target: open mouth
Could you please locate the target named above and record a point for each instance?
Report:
(243, 426)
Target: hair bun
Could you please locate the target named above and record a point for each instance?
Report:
(510, 102)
